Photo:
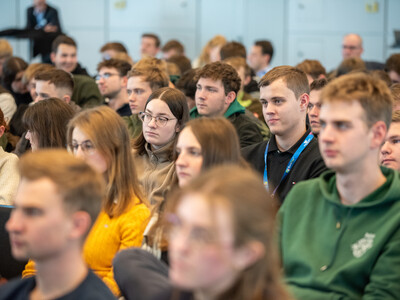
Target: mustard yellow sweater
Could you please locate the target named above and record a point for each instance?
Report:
(106, 238)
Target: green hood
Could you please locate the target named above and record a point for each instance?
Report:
(235, 107)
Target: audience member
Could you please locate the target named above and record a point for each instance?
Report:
(164, 115)
(395, 90)
(351, 65)
(314, 105)
(150, 45)
(52, 216)
(260, 57)
(142, 81)
(292, 154)
(111, 49)
(112, 81)
(392, 67)
(182, 62)
(382, 75)
(232, 49)
(172, 48)
(29, 76)
(217, 87)
(9, 176)
(339, 233)
(6, 51)
(390, 151)
(313, 69)
(210, 52)
(7, 104)
(187, 85)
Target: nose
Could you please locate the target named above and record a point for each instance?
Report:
(326, 134)
(200, 94)
(14, 223)
(132, 97)
(181, 160)
(79, 153)
(152, 123)
(314, 111)
(100, 80)
(386, 149)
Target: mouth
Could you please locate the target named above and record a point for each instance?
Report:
(183, 174)
(314, 123)
(387, 161)
(330, 153)
(272, 121)
(150, 133)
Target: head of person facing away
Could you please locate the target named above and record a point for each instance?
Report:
(217, 86)
(53, 211)
(221, 247)
(204, 143)
(356, 111)
(313, 69)
(54, 83)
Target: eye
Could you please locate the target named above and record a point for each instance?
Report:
(129, 92)
(277, 101)
(396, 141)
(342, 126)
(310, 106)
(195, 152)
(32, 211)
(264, 103)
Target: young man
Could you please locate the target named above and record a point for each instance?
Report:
(260, 57)
(392, 67)
(172, 48)
(390, 151)
(314, 105)
(217, 87)
(142, 81)
(112, 80)
(52, 216)
(292, 153)
(313, 69)
(340, 233)
(150, 45)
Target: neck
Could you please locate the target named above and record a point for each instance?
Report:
(59, 275)
(119, 100)
(286, 141)
(358, 183)
(262, 68)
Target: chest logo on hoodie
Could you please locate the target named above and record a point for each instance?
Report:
(365, 243)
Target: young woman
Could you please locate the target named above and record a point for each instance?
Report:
(210, 52)
(100, 137)
(46, 123)
(165, 114)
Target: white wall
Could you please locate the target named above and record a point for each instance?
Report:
(298, 29)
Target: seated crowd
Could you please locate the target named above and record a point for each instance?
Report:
(229, 180)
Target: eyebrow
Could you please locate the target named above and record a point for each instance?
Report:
(159, 114)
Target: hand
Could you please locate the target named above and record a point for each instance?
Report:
(50, 28)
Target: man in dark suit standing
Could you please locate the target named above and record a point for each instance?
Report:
(41, 16)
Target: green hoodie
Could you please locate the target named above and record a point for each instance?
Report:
(335, 251)
(234, 108)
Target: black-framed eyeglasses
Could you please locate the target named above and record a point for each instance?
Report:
(86, 146)
(105, 76)
(160, 121)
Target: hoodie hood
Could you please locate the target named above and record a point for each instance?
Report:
(234, 108)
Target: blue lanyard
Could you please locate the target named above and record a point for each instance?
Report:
(289, 165)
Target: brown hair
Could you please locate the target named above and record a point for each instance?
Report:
(11, 67)
(318, 84)
(216, 41)
(266, 47)
(34, 69)
(396, 116)
(382, 75)
(173, 44)
(312, 67)
(176, 102)
(156, 77)
(253, 220)
(114, 46)
(62, 39)
(352, 64)
(154, 37)
(393, 63)
(221, 71)
(63, 170)
(109, 135)
(238, 62)
(296, 80)
(151, 62)
(48, 120)
(121, 66)
(395, 90)
(60, 78)
(232, 49)
(5, 49)
(372, 94)
(182, 62)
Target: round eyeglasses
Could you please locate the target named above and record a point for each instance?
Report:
(160, 121)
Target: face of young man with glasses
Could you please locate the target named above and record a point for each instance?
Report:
(159, 124)
(110, 82)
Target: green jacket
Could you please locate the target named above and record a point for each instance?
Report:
(86, 93)
(335, 251)
(134, 125)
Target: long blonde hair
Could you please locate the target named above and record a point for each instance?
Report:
(110, 137)
(216, 41)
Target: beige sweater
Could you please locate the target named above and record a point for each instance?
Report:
(9, 177)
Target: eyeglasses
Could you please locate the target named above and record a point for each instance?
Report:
(160, 121)
(105, 76)
(86, 146)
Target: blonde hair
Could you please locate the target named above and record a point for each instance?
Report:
(110, 136)
(216, 41)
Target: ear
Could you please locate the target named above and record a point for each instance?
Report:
(124, 81)
(52, 57)
(66, 99)
(378, 131)
(303, 101)
(177, 127)
(248, 254)
(267, 58)
(2, 129)
(81, 223)
(247, 79)
(230, 97)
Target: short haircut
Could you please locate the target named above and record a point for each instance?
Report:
(266, 47)
(121, 66)
(296, 80)
(372, 94)
(181, 61)
(187, 84)
(63, 169)
(173, 44)
(154, 37)
(396, 116)
(116, 46)
(156, 77)
(393, 63)
(48, 120)
(395, 90)
(34, 69)
(59, 78)
(221, 71)
(318, 84)
(312, 67)
(237, 62)
(232, 49)
(352, 64)
(62, 39)
(5, 49)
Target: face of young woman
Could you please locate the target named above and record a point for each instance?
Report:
(83, 147)
(155, 134)
(201, 251)
(190, 159)
(33, 139)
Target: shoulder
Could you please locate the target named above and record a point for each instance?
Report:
(17, 289)
(256, 149)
